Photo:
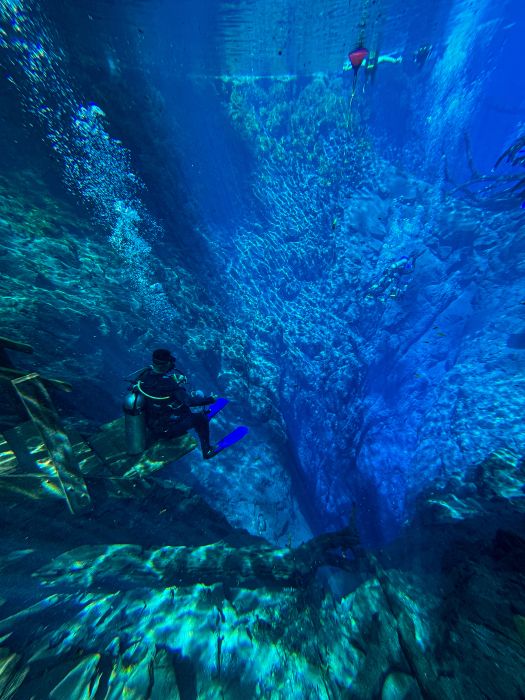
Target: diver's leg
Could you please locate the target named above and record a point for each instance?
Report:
(201, 426)
(177, 427)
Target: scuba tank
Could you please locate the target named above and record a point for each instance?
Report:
(134, 421)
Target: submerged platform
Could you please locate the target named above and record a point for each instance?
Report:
(40, 459)
(27, 470)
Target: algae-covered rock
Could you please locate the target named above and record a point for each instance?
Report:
(400, 686)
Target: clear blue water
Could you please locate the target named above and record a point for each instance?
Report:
(338, 252)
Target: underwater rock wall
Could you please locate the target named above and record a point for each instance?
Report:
(303, 267)
(451, 391)
(290, 265)
(389, 379)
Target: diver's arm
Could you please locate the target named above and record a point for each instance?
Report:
(182, 396)
(200, 401)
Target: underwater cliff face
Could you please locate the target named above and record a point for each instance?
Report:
(298, 253)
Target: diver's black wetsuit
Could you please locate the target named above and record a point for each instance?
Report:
(168, 413)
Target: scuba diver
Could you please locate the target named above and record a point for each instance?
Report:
(158, 402)
(406, 264)
(420, 56)
(389, 286)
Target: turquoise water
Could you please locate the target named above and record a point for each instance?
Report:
(337, 251)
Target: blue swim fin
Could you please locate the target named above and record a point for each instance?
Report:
(214, 408)
(230, 439)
